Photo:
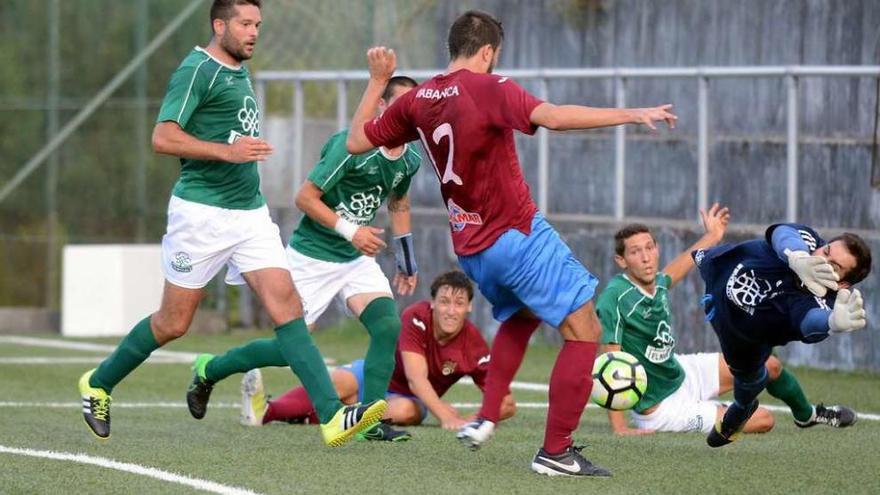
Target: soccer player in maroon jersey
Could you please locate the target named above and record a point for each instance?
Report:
(438, 346)
(465, 118)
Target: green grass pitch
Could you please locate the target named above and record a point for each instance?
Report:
(285, 459)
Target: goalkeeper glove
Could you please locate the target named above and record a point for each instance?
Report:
(848, 313)
(814, 271)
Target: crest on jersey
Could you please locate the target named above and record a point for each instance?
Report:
(663, 342)
(448, 367)
(249, 116)
(459, 218)
(398, 177)
(747, 290)
(361, 206)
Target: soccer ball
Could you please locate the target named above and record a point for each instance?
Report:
(619, 381)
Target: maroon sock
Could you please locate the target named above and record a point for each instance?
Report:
(508, 350)
(570, 385)
(295, 404)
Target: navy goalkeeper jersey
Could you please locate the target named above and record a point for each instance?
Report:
(754, 294)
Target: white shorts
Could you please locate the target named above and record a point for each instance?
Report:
(691, 407)
(201, 239)
(320, 282)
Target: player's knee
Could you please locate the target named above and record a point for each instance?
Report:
(405, 413)
(166, 329)
(774, 368)
(382, 321)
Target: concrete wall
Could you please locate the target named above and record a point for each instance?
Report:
(747, 128)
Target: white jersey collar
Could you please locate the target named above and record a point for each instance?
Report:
(230, 67)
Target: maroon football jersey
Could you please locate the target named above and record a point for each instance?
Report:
(465, 355)
(466, 123)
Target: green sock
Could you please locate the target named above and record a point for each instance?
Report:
(383, 324)
(134, 349)
(300, 352)
(258, 353)
(787, 389)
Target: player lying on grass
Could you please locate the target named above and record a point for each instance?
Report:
(217, 216)
(331, 255)
(466, 120)
(789, 286)
(635, 316)
(438, 346)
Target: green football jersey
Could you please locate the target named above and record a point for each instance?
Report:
(642, 325)
(214, 102)
(354, 187)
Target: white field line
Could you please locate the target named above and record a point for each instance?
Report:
(198, 484)
(230, 405)
(42, 360)
(159, 356)
(170, 356)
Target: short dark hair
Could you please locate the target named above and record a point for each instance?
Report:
(861, 252)
(471, 31)
(625, 233)
(455, 279)
(397, 81)
(225, 9)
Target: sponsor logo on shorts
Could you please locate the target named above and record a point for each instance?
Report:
(448, 367)
(695, 423)
(459, 218)
(181, 262)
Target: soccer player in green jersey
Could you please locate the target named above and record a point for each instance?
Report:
(216, 217)
(331, 255)
(634, 312)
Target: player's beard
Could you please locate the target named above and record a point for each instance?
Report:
(234, 47)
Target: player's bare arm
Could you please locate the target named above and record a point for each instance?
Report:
(617, 419)
(715, 223)
(170, 139)
(407, 276)
(416, 368)
(382, 61)
(572, 117)
(365, 238)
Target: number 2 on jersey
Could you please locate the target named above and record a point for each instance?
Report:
(443, 130)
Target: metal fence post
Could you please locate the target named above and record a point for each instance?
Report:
(619, 152)
(791, 209)
(341, 104)
(543, 155)
(298, 129)
(703, 142)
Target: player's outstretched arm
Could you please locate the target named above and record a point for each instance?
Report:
(404, 251)
(814, 271)
(617, 419)
(382, 62)
(572, 117)
(365, 238)
(415, 366)
(715, 223)
(170, 139)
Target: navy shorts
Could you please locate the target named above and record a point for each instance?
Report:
(536, 271)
